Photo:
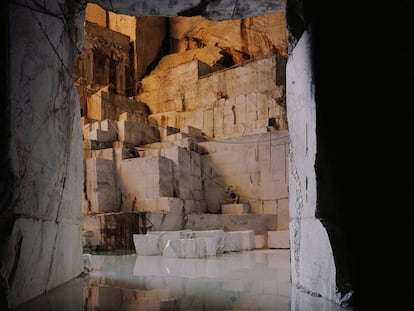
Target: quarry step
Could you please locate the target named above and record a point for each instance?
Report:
(193, 244)
(235, 209)
(260, 223)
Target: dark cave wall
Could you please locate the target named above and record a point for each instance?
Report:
(362, 62)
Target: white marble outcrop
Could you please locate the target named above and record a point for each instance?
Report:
(312, 262)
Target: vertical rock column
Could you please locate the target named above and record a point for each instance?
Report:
(312, 262)
(42, 248)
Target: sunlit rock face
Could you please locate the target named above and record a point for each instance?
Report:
(241, 38)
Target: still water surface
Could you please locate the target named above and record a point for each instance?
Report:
(249, 280)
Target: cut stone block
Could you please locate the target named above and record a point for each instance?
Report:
(137, 134)
(278, 239)
(219, 236)
(172, 249)
(234, 241)
(100, 185)
(248, 239)
(235, 209)
(169, 214)
(108, 126)
(192, 131)
(283, 214)
(106, 154)
(259, 241)
(163, 204)
(259, 223)
(190, 248)
(187, 181)
(168, 130)
(270, 207)
(170, 235)
(162, 221)
(148, 244)
(137, 117)
(176, 136)
(143, 179)
(195, 206)
(101, 136)
(170, 205)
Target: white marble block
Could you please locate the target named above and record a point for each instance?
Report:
(218, 235)
(259, 241)
(100, 185)
(235, 209)
(190, 248)
(170, 235)
(147, 244)
(172, 249)
(248, 239)
(278, 239)
(234, 241)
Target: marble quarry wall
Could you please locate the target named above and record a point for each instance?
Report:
(41, 232)
(41, 217)
(135, 163)
(311, 255)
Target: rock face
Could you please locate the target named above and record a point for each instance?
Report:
(44, 153)
(311, 254)
(215, 10)
(242, 38)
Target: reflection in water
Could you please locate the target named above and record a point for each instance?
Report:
(250, 280)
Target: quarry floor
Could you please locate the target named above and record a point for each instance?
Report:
(247, 280)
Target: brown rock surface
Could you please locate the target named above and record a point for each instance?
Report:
(253, 36)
